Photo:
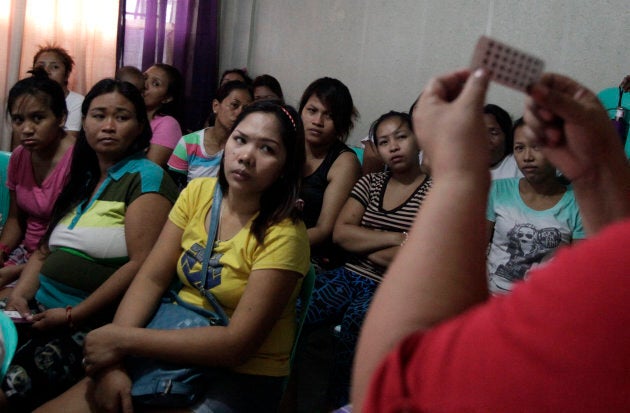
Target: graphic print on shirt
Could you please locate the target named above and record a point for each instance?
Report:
(193, 259)
(527, 246)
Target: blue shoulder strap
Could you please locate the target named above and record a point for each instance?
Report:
(215, 217)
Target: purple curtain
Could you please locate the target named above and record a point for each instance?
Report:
(183, 33)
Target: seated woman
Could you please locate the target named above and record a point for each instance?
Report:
(499, 126)
(58, 63)
(263, 254)
(104, 224)
(164, 98)
(331, 167)
(37, 170)
(371, 227)
(200, 153)
(528, 218)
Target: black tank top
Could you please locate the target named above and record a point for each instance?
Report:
(312, 194)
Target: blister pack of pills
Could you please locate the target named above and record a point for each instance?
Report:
(508, 66)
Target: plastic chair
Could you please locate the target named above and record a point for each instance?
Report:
(359, 151)
(4, 191)
(305, 298)
(610, 99)
(10, 337)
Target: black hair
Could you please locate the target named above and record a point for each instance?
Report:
(336, 97)
(175, 90)
(40, 86)
(505, 123)
(404, 118)
(278, 201)
(84, 169)
(227, 88)
(270, 82)
(241, 72)
(223, 92)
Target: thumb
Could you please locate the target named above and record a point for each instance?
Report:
(474, 92)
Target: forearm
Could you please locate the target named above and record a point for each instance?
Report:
(438, 273)
(28, 283)
(385, 256)
(152, 279)
(318, 235)
(107, 295)
(12, 233)
(209, 346)
(140, 301)
(361, 240)
(15, 225)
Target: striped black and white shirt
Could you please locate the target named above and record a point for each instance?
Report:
(370, 191)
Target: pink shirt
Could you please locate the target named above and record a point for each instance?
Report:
(34, 201)
(166, 131)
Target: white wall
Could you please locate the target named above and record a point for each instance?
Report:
(386, 50)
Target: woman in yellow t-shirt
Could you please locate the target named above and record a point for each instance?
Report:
(264, 252)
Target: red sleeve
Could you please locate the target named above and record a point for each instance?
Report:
(559, 342)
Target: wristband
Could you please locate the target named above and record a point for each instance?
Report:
(69, 317)
(5, 248)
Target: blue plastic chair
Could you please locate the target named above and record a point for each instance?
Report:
(4, 191)
(610, 99)
(305, 298)
(10, 338)
(359, 151)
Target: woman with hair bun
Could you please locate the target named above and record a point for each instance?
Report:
(38, 168)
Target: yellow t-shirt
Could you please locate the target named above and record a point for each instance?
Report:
(286, 247)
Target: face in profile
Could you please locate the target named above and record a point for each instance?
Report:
(156, 82)
(319, 128)
(396, 144)
(254, 155)
(229, 108)
(111, 126)
(53, 64)
(496, 139)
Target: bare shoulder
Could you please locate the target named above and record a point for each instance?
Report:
(346, 165)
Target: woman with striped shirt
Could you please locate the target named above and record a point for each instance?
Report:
(371, 228)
